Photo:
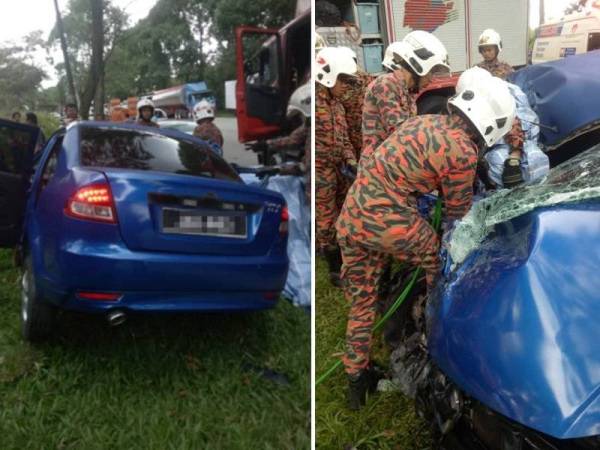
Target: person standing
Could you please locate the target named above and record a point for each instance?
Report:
(204, 114)
(380, 218)
(145, 108)
(71, 114)
(490, 46)
(335, 73)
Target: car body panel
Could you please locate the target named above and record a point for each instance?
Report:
(515, 325)
(564, 94)
(17, 143)
(152, 271)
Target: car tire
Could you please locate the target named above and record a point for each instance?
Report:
(433, 104)
(37, 317)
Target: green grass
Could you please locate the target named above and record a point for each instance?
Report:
(388, 421)
(175, 382)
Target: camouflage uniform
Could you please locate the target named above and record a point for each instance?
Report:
(497, 68)
(332, 150)
(353, 102)
(379, 217)
(297, 138)
(147, 123)
(388, 103)
(208, 131)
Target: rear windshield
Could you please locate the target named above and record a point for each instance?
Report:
(132, 149)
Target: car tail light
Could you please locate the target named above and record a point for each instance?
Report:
(285, 217)
(94, 202)
(99, 296)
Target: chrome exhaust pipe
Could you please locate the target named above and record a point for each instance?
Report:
(116, 318)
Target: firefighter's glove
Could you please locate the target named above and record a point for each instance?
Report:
(511, 176)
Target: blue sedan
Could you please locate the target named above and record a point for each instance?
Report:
(121, 218)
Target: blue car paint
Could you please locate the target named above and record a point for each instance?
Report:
(516, 325)
(71, 255)
(564, 94)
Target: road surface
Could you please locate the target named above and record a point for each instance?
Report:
(233, 151)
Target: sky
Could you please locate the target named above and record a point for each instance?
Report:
(21, 17)
(25, 16)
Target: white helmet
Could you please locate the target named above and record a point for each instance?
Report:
(397, 48)
(203, 110)
(300, 102)
(472, 77)
(489, 106)
(423, 52)
(145, 103)
(490, 37)
(333, 61)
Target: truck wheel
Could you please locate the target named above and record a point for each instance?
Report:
(37, 317)
(433, 104)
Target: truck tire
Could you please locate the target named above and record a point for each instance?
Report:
(433, 104)
(37, 317)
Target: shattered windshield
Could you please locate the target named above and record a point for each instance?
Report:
(574, 180)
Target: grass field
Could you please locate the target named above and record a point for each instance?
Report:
(388, 421)
(176, 382)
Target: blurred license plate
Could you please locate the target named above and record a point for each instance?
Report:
(182, 221)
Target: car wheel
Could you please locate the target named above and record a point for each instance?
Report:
(37, 318)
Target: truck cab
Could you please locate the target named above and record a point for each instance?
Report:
(271, 64)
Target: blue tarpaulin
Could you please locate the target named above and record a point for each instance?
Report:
(564, 94)
(298, 283)
(534, 162)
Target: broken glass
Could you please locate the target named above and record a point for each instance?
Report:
(575, 180)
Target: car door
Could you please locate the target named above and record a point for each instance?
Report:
(260, 99)
(17, 143)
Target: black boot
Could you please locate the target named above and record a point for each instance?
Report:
(358, 386)
(511, 176)
(334, 261)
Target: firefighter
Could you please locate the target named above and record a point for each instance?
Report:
(299, 138)
(145, 108)
(352, 99)
(515, 138)
(335, 73)
(380, 219)
(490, 46)
(389, 100)
(204, 114)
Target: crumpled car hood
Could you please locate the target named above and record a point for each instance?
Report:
(515, 324)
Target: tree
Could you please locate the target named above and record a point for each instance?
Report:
(105, 23)
(19, 80)
(63, 44)
(93, 89)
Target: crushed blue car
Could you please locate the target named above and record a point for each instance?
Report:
(503, 355)
(121, 218)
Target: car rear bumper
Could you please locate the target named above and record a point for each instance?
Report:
(176, 302)
(154, 281)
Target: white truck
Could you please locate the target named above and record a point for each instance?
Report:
(573, 34)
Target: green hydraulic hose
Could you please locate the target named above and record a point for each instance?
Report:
(437, 218)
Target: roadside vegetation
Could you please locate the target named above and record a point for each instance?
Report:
(388, 421)
(158, 382)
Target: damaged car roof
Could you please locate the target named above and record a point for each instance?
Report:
(565, 94)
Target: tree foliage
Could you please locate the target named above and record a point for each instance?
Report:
(179, 41)
(20, 79)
